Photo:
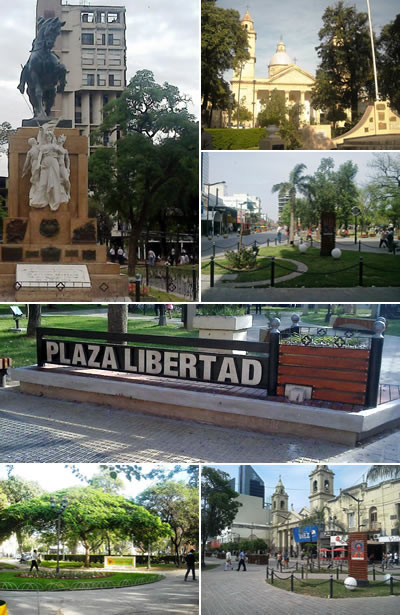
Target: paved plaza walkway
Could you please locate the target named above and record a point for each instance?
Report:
(37, 429)
(239, 593)
(168, 596)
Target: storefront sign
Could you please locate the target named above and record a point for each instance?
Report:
(357, 550)
(305, 534)
(188, 365)
(338, 541)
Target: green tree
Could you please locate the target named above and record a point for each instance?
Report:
(16, 489)
(344, 75)
(102, 480)
(384, 189)
(297, 183)
(383, 472)
(223, 47)
(388, 62)
(347, 195)
(177, 504)
(218, 506)
(273, 109)
(244, 114)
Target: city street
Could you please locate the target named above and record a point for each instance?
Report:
(234, 593)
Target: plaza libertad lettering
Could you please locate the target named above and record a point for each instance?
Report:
(189, 365)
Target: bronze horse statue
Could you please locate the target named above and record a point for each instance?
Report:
(43, 74)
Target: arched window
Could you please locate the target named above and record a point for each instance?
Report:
(274, 505)
(315, 485)
(326, 485)
(282, 504)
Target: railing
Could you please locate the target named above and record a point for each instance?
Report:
(182, 282)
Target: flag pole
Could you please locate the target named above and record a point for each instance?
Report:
(373, 51)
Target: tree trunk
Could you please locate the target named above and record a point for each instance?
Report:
(149, 556)
(292, 216)
(87, 553)
(34, 319)
(162, 320)
(117, 318)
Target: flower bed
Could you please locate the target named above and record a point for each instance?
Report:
(64, 574)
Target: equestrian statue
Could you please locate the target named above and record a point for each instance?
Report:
(44, 75)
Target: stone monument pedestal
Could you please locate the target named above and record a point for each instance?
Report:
(44, 237)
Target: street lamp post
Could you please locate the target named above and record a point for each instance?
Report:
(358, 506)
(356, 211)
(208, 204)
(59, 510)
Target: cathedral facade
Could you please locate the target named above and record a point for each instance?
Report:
(284, 76)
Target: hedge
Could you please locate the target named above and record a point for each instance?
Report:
(232, 138)
(99, 559)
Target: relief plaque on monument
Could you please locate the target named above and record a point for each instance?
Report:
(48, 276)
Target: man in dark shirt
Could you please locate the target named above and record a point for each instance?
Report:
(190, 562)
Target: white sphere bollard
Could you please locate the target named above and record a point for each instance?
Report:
(336, 253)
(303, 248)
(386, 579)
(350, 583)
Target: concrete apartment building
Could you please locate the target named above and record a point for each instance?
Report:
(92, 46)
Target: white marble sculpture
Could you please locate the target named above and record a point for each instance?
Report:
(48, 161)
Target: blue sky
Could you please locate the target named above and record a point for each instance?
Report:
(255, 173)
(299, 23)
(296, 478)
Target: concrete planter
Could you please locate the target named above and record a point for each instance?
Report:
(223, 328)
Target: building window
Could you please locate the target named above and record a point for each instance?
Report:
(113, 18)
(89, 79)
(87, 38)
(315, 486)
(78, 117)
(111, 80)
(106, 138)
(282, 504)
(78, 100)
(326, 485)
(101, 17)
(373, 518)
(87, 17)
(351, 520)
(274, 505)
(111, 39)
(105, 100)
(101, 80)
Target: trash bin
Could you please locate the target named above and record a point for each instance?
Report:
(3, 608)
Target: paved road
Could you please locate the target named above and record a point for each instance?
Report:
(171, 595)
(236, 593)
(36, 429)
(231, 242)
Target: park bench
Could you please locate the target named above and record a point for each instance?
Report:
(5, 363)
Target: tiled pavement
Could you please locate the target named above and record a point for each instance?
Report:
(36, 429)
(168, 596)
(233, 593)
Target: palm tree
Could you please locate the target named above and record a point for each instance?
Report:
(382, 472)
(297, 182)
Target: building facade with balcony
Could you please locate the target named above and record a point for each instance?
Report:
(92, 46)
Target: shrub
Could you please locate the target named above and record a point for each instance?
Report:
(245, 258)
(231, 138)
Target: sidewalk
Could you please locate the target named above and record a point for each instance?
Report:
(233, 593)
(170, 595)
(354, 294)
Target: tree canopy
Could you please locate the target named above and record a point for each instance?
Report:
(219, 507)
(388, 61)
(344, 75)
(223, 47)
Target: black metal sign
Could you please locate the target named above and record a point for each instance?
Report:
(213, 367)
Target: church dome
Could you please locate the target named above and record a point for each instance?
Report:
(280, 57)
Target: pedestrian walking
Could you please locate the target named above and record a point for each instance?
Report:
(228, 561)
(383, 240)
(279, 234)
(170, 307)
(286, 560)
(279, 560)
(190, 563)
(396, 558)
(120, 255)
(35, 561)
(242, 561)
(390, 239)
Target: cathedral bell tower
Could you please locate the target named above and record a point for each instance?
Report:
(321, 487)
(248, 67)
(280, 503)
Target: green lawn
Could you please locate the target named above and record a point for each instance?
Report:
(263, 269)
(11, 581)
(320, 588)
(324, 271)
(23, 349)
